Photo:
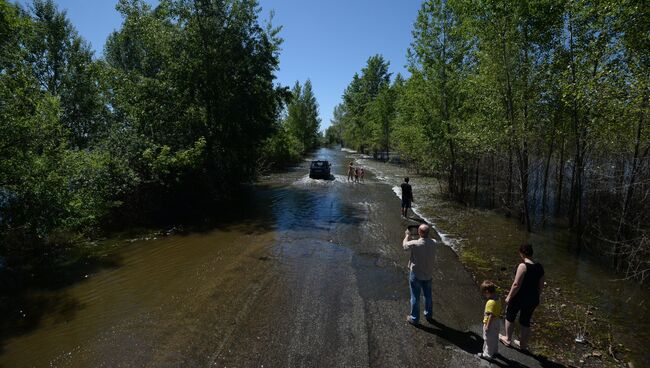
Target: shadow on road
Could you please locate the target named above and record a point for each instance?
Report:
(543, 361)
(25, 299)
(468, 341)
(417, 219)
(472, 343)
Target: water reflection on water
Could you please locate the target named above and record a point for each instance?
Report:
(496, 237)
(152, 297)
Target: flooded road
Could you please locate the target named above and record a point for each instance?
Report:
(488, 242)
(305, 273)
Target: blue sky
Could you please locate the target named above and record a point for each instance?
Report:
(326, 41)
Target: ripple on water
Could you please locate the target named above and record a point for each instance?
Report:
(306, 181)
(493, 237)
(367, 205)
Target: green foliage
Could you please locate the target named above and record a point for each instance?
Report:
(380, 114)
(302, 121)
(166, 165)
(334, 132)
(280, 149)
(537, 108)
(296, 133)
(62, 64)
(412, 136)
(355, 110)
(180, 110)
(212, 102)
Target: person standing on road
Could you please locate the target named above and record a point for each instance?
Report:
(350, 170)
(523, 297)
(491, 320)
(421, 265)
(407, 196)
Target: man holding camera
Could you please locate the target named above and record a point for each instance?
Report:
(421, 265)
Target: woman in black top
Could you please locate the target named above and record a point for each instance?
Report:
(523, 297)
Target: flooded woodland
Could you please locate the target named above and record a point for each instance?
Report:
(159, 205)
(299, 271)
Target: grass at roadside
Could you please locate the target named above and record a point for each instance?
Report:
(560, 318)
(582, 295)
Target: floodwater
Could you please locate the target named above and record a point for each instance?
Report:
(580, 276)
(300, 273)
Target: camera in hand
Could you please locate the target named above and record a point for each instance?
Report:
(413, 231)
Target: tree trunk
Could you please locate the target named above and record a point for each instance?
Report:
(560, 180)
(510, 116)
(478, 161)
(572, 193)
(446, 114)
(524, 164)
(579, 222)
(509, 189)
(461, 191)
(577, 170)
(493, 180)
(623, 232)
(545, 185)
(452, 169)
(523, 176)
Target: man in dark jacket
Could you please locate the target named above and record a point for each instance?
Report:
(407, 196)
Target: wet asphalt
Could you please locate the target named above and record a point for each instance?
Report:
(335, 293)
(312, 275)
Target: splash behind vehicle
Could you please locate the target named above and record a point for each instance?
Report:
(319, 170)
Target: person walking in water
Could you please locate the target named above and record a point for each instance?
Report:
(421, 265)
(523, 297)
(356, 175)
(361, 174)
(350, 170)
(407, 196)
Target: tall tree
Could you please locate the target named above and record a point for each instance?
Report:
(587, 36)
(302, 116)
(358, 95)
(439, 52)
(194, 79)
(380, 115)
(63, 64)
(334, 133)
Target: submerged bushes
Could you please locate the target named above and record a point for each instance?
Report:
(179, 111)
(537, 108)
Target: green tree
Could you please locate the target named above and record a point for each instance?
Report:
(522, 102)
(302, 121)
(380, 115)
(178, 113)
(411, 134)
(47, 184)
(439, 52)
(63, 65)
(193, 89)
(334, 133)
(357, 97)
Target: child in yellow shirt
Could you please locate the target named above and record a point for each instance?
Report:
(491, 320)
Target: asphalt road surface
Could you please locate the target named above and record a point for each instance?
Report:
(306, 273)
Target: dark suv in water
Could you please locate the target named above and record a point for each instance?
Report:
(319, 170)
